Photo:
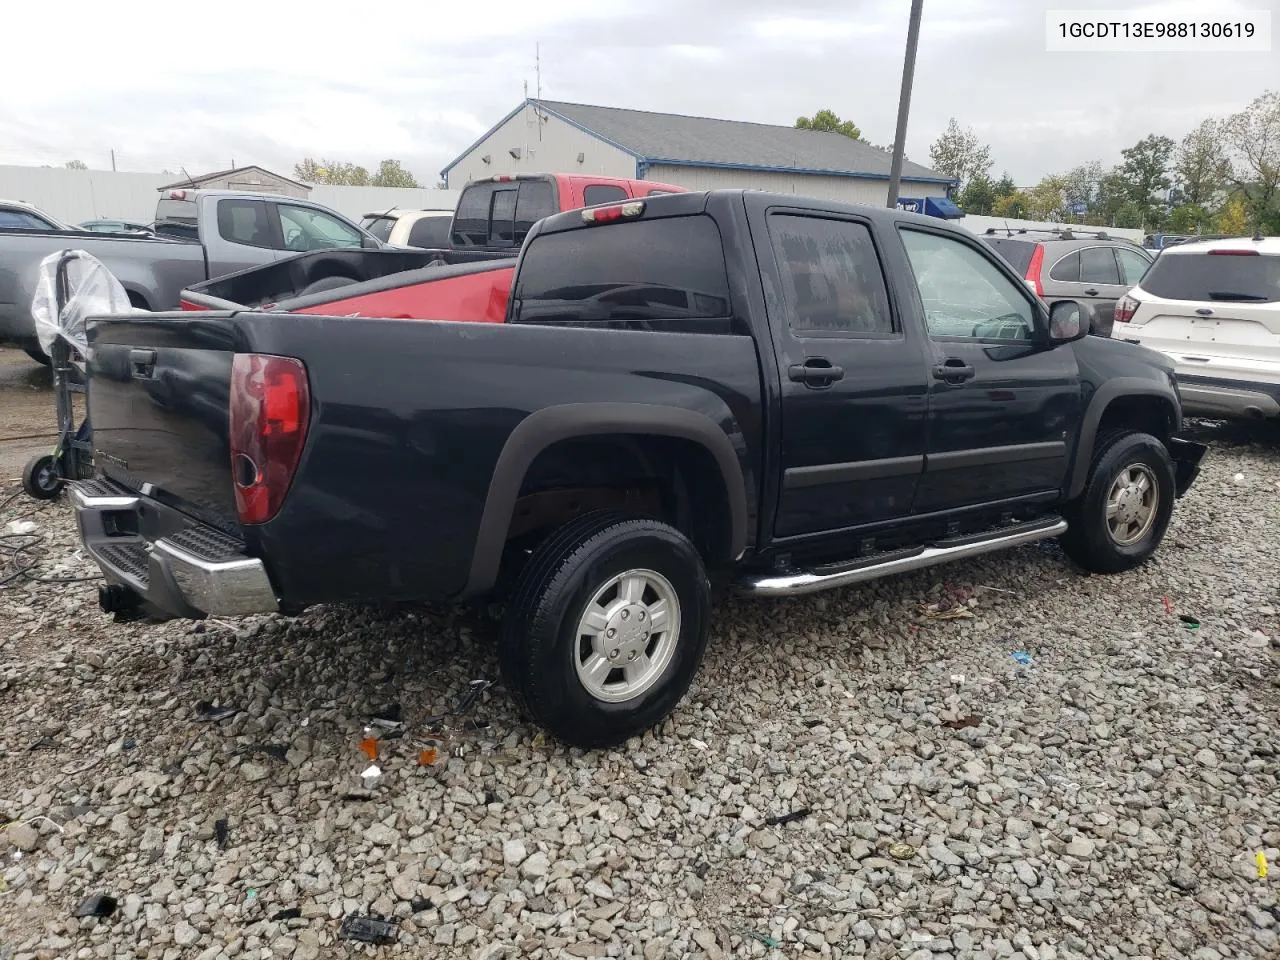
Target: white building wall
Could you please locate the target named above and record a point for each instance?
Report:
(556, 152)
(840, 189)
(74, 196)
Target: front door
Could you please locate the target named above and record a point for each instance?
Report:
(1003, 403)
(853, 380)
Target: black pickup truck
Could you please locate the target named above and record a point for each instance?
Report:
(784, 394)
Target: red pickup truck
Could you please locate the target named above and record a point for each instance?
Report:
(469, 281)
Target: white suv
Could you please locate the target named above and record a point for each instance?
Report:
(1213, 307)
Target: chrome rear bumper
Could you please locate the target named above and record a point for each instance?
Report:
(191, 571)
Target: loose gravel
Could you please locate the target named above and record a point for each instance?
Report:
(940, 799)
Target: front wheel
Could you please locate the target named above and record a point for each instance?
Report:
(41, 478)
(1120, 519)
(606, 628)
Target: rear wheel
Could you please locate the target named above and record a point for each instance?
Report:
(41, 478)
(606, 628)
(1120, 519)
(38, 355)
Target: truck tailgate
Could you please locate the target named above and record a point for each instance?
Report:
(158, 405)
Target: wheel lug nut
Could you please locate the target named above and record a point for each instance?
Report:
(613, 654)
(626, 614)
(640, 614)
(611, 633)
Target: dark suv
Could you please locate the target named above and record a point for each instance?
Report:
(1090, 268)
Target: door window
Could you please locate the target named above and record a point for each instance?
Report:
(308, 229)
(502, 217)
(1132, 266)
(244, 222)
(430, 232)
(1098, 265)
(831, 277)
(965, 295)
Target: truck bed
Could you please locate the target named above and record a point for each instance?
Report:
(392, 284)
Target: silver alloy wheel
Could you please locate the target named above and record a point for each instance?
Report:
(627, 635)
(1132, 504)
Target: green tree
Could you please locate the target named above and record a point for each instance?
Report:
(1047, 199)
(1233, 218)
(1253, 138)
(1145, 174)
(979, 196)
(391, 174)
(826, 121)
(333, 172)
(959, 153)
(77, 165)
(1200, 166)
(1016, 205)
(1005, 187)
(1082, 185)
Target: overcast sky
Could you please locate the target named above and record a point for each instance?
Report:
(270, 82)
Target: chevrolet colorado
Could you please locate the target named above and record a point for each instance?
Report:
(786, 394)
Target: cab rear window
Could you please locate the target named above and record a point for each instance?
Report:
(663, 274)
(1248, 278)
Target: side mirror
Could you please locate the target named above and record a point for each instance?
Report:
(370, 243)
(1067, 322)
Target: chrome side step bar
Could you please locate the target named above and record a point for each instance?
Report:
(799, 582)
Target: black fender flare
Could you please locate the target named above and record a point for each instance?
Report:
(1102, 398)
(550, 425)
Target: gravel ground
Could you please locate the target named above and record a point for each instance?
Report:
(1109, 798)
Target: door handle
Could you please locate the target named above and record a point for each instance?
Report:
(142, 364)
(816, 372)
(953, 370)
(1091, 291)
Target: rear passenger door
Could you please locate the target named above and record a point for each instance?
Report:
(853, 384)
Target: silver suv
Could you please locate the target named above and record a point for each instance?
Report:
(1090, 268)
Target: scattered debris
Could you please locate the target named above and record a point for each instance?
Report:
(368, 929)
(129, 744)
(288, 913)
(428, 757)
(902, 851)
(96, 905)
(1191, 622)
(389, 717)
(220, 832)
(273, 750)
(694, 741)
(958, 679)
(1261, 859)
(1022, 657)
(370, 773)
(369, 745)
(1168, 607)
(21, 527)
(472, 695)
(43, 743)
(208, 712)
(814, 723)
(1238, 478)
(786, 818)
(961, 722)
(418, 904)
(948, 609)
(758, 937)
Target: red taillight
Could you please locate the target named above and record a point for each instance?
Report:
(632, 208)
(177, 194)
(1034, 268)
(270, 411)
(1234, 253)
(1126, 307)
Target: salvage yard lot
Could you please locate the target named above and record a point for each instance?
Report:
(1108, 798)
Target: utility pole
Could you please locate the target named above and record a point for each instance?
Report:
(904, 102)
(113, 160)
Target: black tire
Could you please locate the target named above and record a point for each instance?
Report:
(1089, 539)
(41, 478)
(326, 283)
(38, 355)
(537, 649)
